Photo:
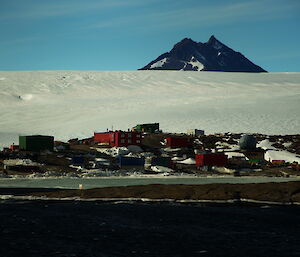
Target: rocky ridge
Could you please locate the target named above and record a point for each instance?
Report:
(213, 55)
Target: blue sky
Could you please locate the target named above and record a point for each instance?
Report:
(128, 34)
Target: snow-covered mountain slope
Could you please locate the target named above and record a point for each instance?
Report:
(210, 56)
(70, 104)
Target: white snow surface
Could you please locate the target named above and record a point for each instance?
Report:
(189, 161)
(275, 154)
(196, 63)
(234, 154)
(159, 63)
(24, 162)
(114, 151)
(69, 104)
(161, 169)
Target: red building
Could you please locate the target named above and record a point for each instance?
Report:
(178, 142)
(14, 147)
(118, 138)
(211, 159)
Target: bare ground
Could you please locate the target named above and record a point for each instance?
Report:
(285, 192)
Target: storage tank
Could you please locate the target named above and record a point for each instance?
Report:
(247, 142)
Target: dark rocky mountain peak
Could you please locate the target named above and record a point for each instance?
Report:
(212, 40)
(210, 56)
(215, 43)
(184, 42)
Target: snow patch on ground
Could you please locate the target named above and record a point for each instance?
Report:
(161, 169)
(114, 151)
(273, 153)
(159, 64)
(197, 64)
(189, 161)
(234, 154)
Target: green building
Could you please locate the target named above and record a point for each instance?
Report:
(36, 143)
(148, 127)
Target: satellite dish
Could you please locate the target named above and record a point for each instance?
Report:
(247, 142)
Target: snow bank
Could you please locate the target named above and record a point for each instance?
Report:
(189, 161)
(234, 154)
(161, 169)
(196, 64)
(177, 158)
(114, 151)
(24, 162)
(266, 145)
(159, 64)
(273, 153)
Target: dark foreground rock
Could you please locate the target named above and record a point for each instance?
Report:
(76, 228)
(286, 192)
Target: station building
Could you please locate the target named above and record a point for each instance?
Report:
(118, 138)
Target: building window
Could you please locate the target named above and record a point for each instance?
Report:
(138, 141)
(122, 135)
(129, 135)
(122, 141)
(129, 141)
(138, 135)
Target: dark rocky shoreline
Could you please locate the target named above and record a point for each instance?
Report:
(285, 192)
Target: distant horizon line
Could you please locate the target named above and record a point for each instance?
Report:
(11, 70)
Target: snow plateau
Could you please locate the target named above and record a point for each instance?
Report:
(70, 104)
